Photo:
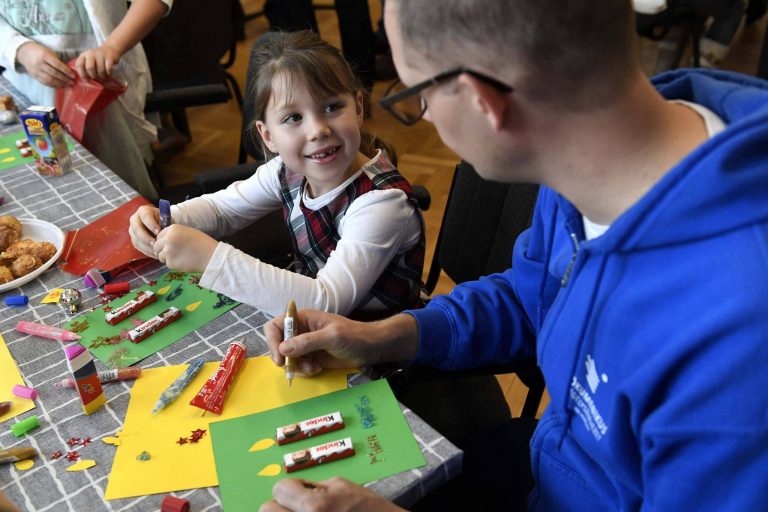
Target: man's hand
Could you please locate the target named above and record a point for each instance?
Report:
(44, 65)
(143, 228)
(183, 248)
(97, 63)
(334, 495)
(332, 341)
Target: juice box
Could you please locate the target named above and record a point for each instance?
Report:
(46, 138)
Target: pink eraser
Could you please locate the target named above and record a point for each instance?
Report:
(24, 392)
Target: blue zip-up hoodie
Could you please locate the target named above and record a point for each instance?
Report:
(653, 338)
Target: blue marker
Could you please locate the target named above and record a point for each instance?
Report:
(165, 213)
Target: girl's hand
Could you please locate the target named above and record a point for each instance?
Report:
(44, 65)
(184, 248)
(97, 63)
(144, 226)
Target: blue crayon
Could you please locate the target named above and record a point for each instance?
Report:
(165, 213)
(174, 390)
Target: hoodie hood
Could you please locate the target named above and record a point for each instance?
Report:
(718, 187)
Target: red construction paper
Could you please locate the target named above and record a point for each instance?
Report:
(103, 244)
(84, 97)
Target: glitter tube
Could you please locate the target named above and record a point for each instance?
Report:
(211, 396)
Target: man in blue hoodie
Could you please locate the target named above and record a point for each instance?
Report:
(642, 285)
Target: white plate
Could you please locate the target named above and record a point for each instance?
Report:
(39, 231)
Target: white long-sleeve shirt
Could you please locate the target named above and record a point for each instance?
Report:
(377, 226)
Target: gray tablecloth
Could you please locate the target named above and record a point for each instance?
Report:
(70, 202)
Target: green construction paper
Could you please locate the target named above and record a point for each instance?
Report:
(237, 468)
(9, 154)
(110, 344)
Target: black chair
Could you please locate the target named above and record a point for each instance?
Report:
(185, 52)
(482, 219)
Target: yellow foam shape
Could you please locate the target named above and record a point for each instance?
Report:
(81, 465)
(259, 386)
(271, 470)
(24, 465)
(111, 440)
(262, 444)
(193, 306)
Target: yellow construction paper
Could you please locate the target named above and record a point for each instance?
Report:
(259, 386)
(9, 377)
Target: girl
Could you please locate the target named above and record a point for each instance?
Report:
(357, 233)
(37, 38)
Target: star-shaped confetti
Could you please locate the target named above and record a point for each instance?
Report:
(73, 441)
(86, 441)
(152, 283)
(107, 309)
(182, 440)
(197, 435)
(73, 456)
(56, 455)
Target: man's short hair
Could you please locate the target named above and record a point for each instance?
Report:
(560, 43)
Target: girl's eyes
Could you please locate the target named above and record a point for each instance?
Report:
(334, 107)
(292, 118)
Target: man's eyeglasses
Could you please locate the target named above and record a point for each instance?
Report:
(408, 105)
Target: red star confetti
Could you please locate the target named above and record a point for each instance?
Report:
(73, 456)
(197, 435)
(56, 455)
(73, 441)
(182, 440)
(152, 283)
(107, 309)
(86, 441)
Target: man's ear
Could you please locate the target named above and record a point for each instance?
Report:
(266, 136)
(492, 102)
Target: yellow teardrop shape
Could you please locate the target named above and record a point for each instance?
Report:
(24, 465)
(4, 150)
(263, 444)
(194, 306)
(163, 290)
(83, 464)
(111, 440)
(8, 159)
(271, 470)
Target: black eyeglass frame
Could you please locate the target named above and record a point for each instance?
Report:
(388, 102)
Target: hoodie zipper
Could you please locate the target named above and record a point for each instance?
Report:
(569, 268)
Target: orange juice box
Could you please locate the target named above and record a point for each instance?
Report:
(46, 138)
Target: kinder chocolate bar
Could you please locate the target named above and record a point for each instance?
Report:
(211, 396)
(154, 324)
(317, 455)
(143, 299)
(310, 428)
(46, 138)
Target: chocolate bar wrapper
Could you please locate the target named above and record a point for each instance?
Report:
(154, 324)
(142, 300)
(321, 454)
(310, 428)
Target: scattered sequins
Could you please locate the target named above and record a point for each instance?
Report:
(375, 450)
(363, 406)
(143, 456)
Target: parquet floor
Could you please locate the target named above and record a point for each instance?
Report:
(423, 158)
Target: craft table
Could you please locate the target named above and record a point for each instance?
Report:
(71, 202)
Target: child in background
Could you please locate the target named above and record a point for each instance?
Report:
(357, 233)
(38, 37)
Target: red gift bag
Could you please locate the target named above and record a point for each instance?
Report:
(85, 96)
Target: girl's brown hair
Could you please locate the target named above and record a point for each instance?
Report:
(302, 57)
